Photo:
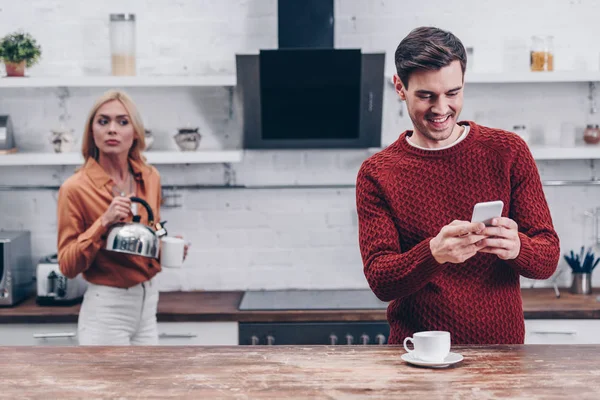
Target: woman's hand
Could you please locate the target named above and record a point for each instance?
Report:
(186, 246)
(118, 210)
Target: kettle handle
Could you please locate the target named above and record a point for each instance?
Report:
(146, 206)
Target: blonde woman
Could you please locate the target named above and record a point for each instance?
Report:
(119, 306)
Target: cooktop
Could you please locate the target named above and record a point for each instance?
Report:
(352, 299)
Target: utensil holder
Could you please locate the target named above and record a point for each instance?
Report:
(582, 283)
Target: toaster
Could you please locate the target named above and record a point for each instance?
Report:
(53, 288)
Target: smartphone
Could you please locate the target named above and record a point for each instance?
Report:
(485, 212)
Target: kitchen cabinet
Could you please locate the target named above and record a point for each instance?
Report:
(170, 334)
(64, 334)
(197, 333)
(562, 331)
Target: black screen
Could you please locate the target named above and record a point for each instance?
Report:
(310, 94)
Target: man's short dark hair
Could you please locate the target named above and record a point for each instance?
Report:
(428, 48)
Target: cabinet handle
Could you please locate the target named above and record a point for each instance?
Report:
(553, 333)
(177, 335)
(53, 335)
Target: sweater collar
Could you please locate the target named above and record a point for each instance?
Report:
(100, 178)
(465, 143)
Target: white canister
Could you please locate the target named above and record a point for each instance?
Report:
(122, 44)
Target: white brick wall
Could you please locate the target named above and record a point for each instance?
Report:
(285, 238)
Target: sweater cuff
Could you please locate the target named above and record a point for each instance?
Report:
(526, 255)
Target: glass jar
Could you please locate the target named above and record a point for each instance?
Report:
(542, 53)
(521, 130)
(591, 134)
(122, 44)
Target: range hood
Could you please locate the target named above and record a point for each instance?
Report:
(308, 94)
(305, 24)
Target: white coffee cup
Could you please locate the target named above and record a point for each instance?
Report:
(432, 346)
(171, 252)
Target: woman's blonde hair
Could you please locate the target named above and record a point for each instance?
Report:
(88, 146)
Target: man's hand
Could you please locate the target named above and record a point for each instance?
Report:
(502, 239)
(457, 242)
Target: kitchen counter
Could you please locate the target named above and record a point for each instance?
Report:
(223, 306)
(316, 372)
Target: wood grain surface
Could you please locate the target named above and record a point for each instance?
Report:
(223, 306)
(298, 372)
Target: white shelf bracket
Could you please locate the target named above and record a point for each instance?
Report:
(228, 174)
(592, 97)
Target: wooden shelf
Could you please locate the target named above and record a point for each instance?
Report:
(153, 157)
(118, 81)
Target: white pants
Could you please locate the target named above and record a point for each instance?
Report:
(119, 317)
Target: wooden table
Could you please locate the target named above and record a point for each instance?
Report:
(290, 372)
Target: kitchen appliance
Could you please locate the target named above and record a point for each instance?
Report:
(53, 288)
(135, 238)
(313, 332)
(305, 24)
(7, 138)
(16, 267)
(311, 98)
(307, 94)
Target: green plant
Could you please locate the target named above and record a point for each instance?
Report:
(581, 264)
(20, 46)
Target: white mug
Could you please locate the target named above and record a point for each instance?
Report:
(171, 252)
(432, 346)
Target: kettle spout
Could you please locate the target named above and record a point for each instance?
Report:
(160, 229)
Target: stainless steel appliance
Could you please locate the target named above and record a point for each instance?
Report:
(335, 99)
(7, 138)
(315, 332)
(16, 267)
(53, 288)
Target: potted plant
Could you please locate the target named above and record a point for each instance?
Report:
(19, 50)
(582, 267)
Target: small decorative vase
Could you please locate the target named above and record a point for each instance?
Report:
(149, 139)
(62, 140)
(188, 139)
(15, 69)
(582, 283)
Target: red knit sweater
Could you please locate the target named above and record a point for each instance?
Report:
(405, 195)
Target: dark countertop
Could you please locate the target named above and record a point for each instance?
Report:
(308, 372)
(223, 306)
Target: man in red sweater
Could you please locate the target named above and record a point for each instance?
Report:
(415, 200)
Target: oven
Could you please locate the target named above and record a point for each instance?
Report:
(298, 329)
(314, 333)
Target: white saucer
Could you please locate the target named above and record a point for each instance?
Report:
(451, 358)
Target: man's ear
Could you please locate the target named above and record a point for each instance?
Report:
(399, 86)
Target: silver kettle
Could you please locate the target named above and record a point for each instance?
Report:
(135, 238)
